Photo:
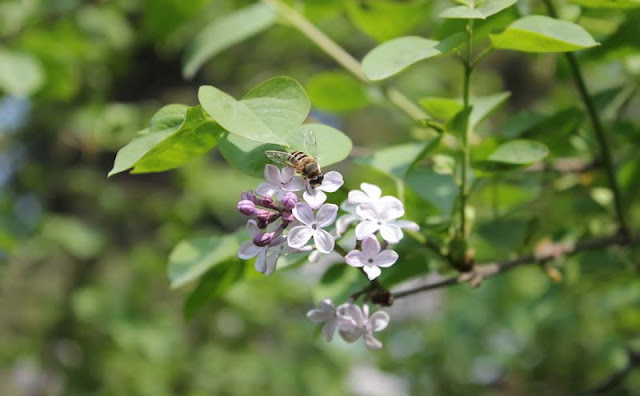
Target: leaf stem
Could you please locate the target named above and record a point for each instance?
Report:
(341, 56)
(466, 137)
(605, 150)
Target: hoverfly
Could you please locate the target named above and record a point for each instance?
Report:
(304, 163)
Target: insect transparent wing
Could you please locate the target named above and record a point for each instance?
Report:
(310, 143)
(279, 157)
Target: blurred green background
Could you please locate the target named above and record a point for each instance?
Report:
(85, 304)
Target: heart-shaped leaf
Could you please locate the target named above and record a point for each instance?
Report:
(538, 33)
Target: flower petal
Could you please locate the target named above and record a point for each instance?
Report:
(372, 342)
(326, 215)
(343, 222)
(331, 182)
(389, 208)
(385, 258)
(378, 321)
(248, 250)
(272, 174)
(371, 246)
(356, 258)
(252, 228)
(323, 240)
(304, 213)
(329, 329)
(351, 335)
(407, 225)
(327, 305)
(367, 211)
(314, 197)
(391, 233)
(261, 264)
(299, 236)
(272, 262)
(372, 191)
(366, 228)
(357, 197)
(286, 174)
(352, 311)
(319, 315)
(372, 271)
(346, 323)
(295, 184)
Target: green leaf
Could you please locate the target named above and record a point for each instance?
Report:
(267, 114)
(336, 91)
(484, 106)
(538, 33)
(506, 234)
(440, 190)
(394, 56)
(441, 108)
(513, 155)
(459, 124)
(248, 156)
(624, 4)
(197, 135)
(192, 258)
(385, 19)
(394, 160)
(446, 108)
(176, 134)
(163, 124)
(225, 32)
(213, 284)
(20, 74)
(477, 9)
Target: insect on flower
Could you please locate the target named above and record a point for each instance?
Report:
(304, 163)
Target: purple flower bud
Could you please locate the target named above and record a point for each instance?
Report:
(263, 239)
(266, 201)
(289, 200)
(248, 196)
(247, 207)
(288, 217)
(263, 215)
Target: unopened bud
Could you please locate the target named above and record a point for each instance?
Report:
(247, 207)
(248, 196)
(261, 239)
(266, 201)
(263, 215)
(289, 200)
(288, 217)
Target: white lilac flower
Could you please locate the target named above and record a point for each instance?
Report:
(279, 182)
(315, 196)
(368, 193)
(266, 256)
(326, 312)
(382, 215)
(371, 258)
(356, 323)
(313, 227)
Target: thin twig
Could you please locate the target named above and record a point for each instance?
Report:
(341, 56)
(601, 136)
(549, 252)
(617, 377)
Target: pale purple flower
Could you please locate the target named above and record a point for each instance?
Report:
(279, 182)
(356, 323)
(382, 215)
(326, 312)
(266, 260)
(369, 193)
(371, 258)
(315, 196)
(313, 227)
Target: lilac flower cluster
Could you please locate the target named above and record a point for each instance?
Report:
(351, 321)
(281, 221)
(276, 215)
